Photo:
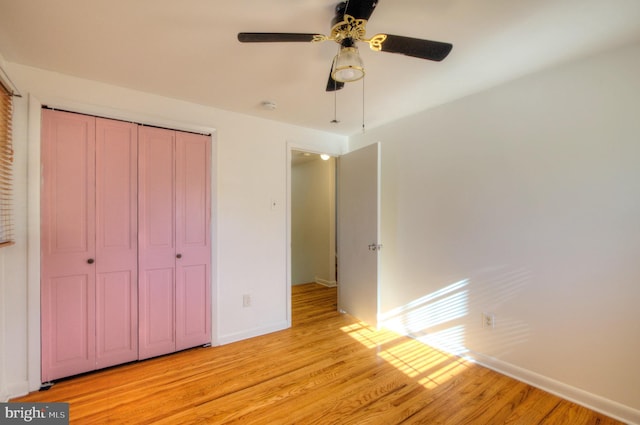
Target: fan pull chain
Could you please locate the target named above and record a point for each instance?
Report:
(363, 127)
(335, 96)
(335, 107)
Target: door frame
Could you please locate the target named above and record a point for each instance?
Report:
(292, 146)
(35, 104)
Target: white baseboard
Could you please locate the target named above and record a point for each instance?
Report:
(584, 398)
(327, 283)
(263, 330)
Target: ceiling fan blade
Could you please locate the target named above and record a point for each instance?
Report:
(360, 9)
(274, 37)
(333, 85)
(423, 49)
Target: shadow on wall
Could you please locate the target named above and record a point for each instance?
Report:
(471, 312)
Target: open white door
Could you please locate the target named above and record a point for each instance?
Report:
(358, 231)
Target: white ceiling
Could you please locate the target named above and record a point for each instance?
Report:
(188, 50)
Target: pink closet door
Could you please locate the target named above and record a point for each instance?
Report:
(193, 240)
(67, 244)
(157, 248)
(116, 242)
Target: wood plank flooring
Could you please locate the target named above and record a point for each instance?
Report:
(327, 369)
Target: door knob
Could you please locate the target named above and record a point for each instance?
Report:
(90, 261)
(179, 256)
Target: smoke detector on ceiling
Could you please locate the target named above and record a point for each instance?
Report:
(269, 105)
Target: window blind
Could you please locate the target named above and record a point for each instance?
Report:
(6, 169)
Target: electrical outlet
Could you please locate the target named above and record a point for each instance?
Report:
(246, 300)
(488, 320)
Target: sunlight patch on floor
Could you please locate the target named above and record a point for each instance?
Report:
(368, 336)
(428, 366)
(427, 320)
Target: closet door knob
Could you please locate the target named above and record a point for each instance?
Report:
(179, 256)
(90, 261)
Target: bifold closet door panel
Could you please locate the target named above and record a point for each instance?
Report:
(116, 242)
(67, 244)
(193, 240)
(126, 242)
(156, 238)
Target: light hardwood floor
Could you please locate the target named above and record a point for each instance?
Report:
(327, 369)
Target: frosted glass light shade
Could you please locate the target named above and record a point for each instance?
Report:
(348, 65)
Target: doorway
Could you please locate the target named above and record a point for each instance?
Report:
(313, 219)
(356, 225)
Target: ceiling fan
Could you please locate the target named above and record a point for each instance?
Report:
(349, 27)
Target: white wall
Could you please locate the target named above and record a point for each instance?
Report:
(13, 270)
(523, 201)
(249, 237)
(313, 222)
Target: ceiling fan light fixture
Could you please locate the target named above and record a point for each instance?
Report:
(348, 66)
